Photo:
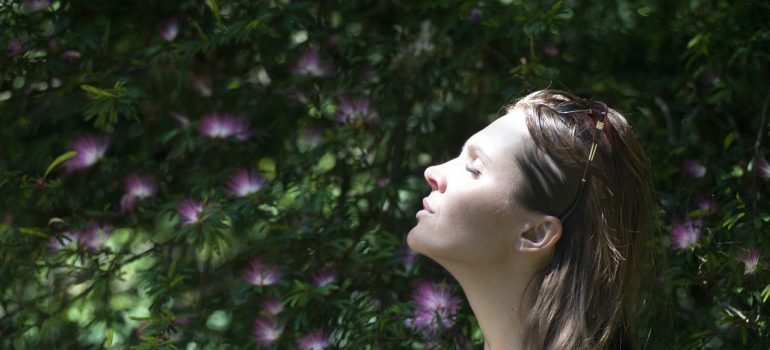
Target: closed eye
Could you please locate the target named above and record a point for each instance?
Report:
(473, 171)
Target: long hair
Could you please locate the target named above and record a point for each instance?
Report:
(587, 296)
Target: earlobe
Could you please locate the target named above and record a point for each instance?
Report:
(541, 236)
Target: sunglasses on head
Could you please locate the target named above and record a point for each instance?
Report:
(598, 112)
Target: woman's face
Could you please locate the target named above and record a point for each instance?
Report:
(468, 216)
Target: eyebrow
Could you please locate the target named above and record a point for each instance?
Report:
(478, 151)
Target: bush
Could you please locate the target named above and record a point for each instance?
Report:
(244, 173)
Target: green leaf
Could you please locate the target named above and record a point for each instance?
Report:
(766, 293)
(109, 339)
(58, 161)
(215, 9)
(97, 92)
(30, 231)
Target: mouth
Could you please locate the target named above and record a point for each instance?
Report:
(426, 205)
(426, 209)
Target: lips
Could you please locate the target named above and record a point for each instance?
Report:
(426, 206)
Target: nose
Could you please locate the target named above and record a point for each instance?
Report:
(435, 178)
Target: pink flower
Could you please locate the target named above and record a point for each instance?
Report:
(137, 187)
(686, 234)
(70, 56)
(94, 237)
(15, 47)
(354, 110)
(410, 256)
(762, 167)
(68, 238)
(89, 150)
(551, 50)
(706, 204)
(223, 126)
(383, 182)
(272, 306)
(190, 210)
(324, 277)
(475, 15)
(36, 5)
(259, 274)
(435, 307)
(266, 331)
(750, 260)
(316, 340)
(309, 64)
(169, 29)
(693, 169)
(245, 182)
(311, 135)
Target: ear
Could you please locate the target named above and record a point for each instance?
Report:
(540, 236)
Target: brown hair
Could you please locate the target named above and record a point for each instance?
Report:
(587, 296)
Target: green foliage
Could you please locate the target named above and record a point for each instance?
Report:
(341, 141)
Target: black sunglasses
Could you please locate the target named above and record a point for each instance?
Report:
(598, 112)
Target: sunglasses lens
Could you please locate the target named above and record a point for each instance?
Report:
(572, 107)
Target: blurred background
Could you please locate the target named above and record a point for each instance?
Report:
(211, 174)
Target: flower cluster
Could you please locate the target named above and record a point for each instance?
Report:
(324, 277)
(94, 237)
(191, 211)
(685, 234)
(355, 110)
(221, 126)
(316, 340)
(435, 308)
(310, 64)
(89, 150)
(259, 274)
(137, 187)
(245, 182)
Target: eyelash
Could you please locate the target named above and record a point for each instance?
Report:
(475, 172)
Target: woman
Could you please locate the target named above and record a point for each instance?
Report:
(542, 219)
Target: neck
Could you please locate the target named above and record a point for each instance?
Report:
(495, 295)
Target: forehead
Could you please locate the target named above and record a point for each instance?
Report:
(502, 138)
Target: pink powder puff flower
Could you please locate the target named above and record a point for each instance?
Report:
(94, 237)
(311, 135)
(137, 187)
(190, 210)
(324, 277)
(750, 260)
(36, 5)
(70, 56)
(762, 167)
(309, 64)
(266, 331)
(68, 238)
(89, 150)
(551, 50)
(222, 126)
(354, 110)
(272, 306)
(435, 307)
(706, 204)
(15, 48)
(475, 15)
(316, 340)
(693, 169)
(410, 256)
(259, 274)
(245, 182)
(685, 234)
(169, 29)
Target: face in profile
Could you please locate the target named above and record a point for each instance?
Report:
(469, 215)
